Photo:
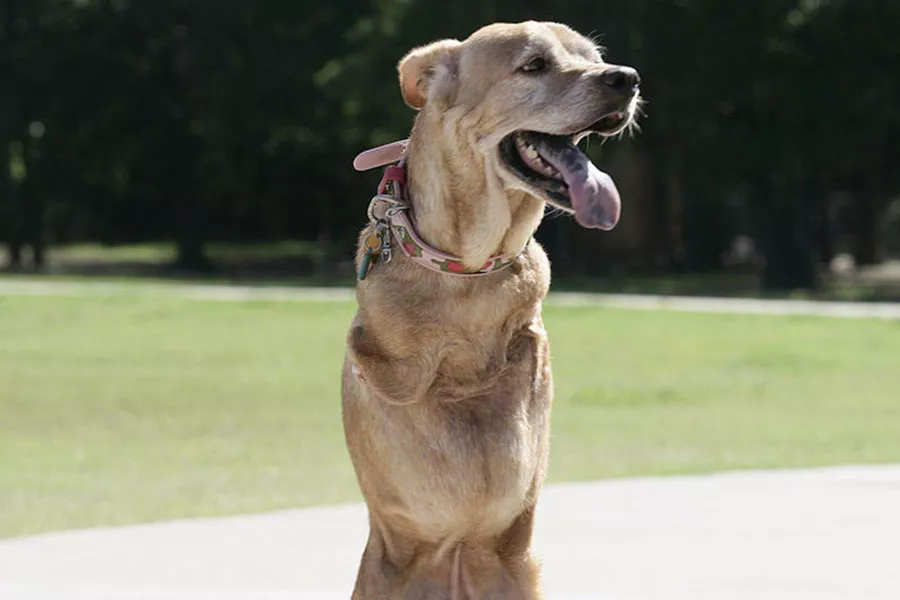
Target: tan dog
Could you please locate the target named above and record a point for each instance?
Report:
(446, 382)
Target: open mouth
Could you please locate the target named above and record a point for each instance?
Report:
(610, 124)
(555, 168)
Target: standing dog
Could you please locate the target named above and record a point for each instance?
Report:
(446, 381)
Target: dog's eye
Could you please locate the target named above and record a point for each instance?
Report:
(535, 65)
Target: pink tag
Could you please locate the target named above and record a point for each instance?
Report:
(380, 156)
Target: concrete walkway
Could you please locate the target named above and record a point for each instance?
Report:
(824, 534)
(853, 310)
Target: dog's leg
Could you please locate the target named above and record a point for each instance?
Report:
(384, 568)
(396, 381)
(514, 550)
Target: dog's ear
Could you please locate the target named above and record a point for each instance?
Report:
(429, 72)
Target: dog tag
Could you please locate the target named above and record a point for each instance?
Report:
(373, 245)
(373, 241)
(364, 265)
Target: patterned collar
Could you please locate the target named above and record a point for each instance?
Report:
(389, 209)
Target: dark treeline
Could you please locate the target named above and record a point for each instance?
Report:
(200, 120)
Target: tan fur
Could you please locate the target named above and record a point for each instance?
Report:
(446, 383)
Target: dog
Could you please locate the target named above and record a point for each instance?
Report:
(446, 384)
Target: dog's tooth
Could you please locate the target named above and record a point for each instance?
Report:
(520, 145)
(548, 168)
(535, 160)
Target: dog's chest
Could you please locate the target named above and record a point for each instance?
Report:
(477, 459)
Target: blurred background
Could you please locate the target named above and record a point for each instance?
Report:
(213, 139)
(149, 146)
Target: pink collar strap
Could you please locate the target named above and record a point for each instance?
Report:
(390, 207)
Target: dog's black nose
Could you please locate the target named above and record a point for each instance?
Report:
(621, 79)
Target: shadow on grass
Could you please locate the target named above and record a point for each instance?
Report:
(279, 263)
(307, 264)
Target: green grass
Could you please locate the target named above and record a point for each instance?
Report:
(148, 406)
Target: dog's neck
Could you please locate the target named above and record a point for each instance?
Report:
(460, 204)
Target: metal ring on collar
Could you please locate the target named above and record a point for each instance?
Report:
(397, 205)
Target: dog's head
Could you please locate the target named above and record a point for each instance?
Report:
(522, 95)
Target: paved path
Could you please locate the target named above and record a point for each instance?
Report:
(824, 534)
(874, 310)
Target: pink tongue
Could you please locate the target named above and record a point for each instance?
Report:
(594, 197)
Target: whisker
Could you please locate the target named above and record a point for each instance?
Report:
(552, 212)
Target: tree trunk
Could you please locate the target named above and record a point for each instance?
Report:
(182, 169)
(826, 232)
(189, 237)
(674, 215)
(15, 226)
(12, 222)
(824, 223)
(789, 247)
(33, 204)
(868, 244)
(705, 235)
(663, 189)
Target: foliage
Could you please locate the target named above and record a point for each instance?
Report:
(227, 120)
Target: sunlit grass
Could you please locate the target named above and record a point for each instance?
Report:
(144, 407)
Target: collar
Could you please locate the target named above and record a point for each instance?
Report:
(389, 210)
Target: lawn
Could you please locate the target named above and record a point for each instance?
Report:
(150, 406)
